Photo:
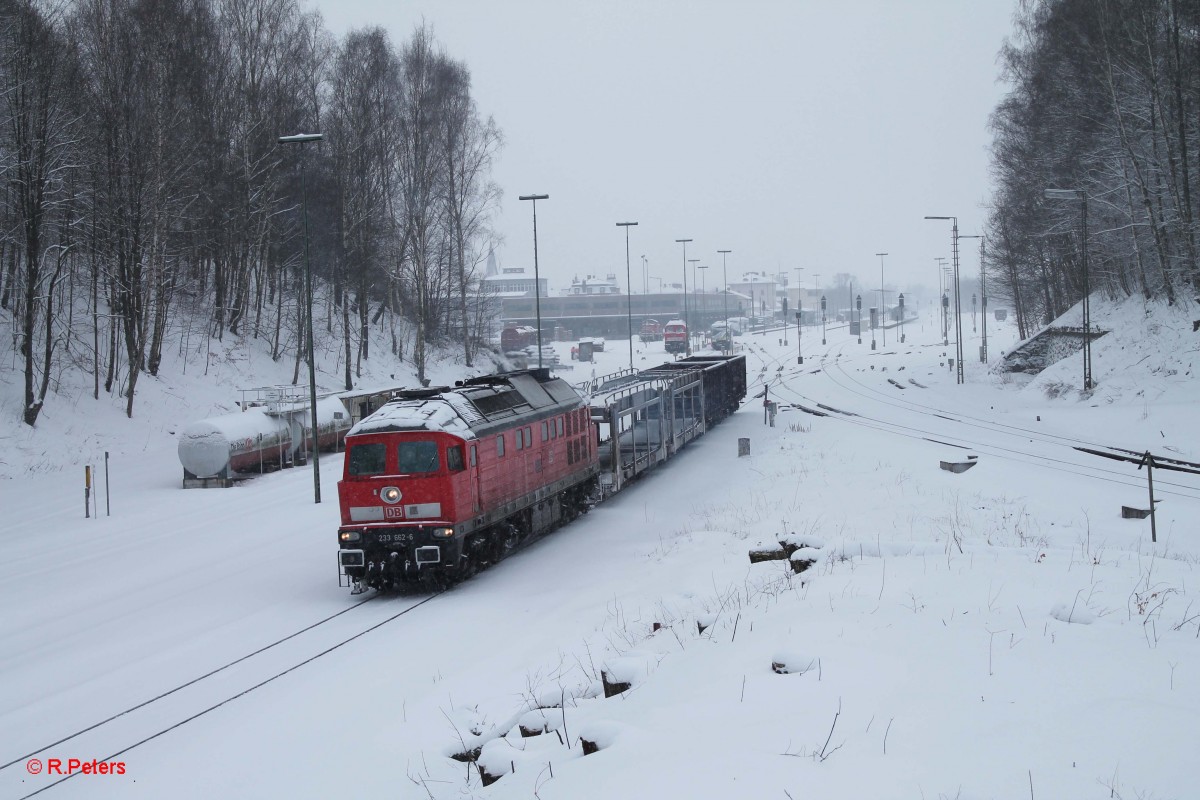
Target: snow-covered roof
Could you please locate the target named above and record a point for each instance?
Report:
(433, 414)
(472, 408)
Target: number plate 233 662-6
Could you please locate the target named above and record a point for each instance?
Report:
(394, 538)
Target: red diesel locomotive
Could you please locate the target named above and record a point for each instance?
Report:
(440, 482)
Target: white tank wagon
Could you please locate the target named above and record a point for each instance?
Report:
(216, 450)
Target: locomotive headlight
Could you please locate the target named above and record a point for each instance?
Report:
(443, 533)
(389, 494)
(350, 537)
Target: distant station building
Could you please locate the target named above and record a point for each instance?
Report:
(510, 281)
(762, 291)
(594, 306)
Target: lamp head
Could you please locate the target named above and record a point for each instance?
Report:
(301, 138)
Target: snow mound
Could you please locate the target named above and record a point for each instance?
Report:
(1072, 613)
(792, 662)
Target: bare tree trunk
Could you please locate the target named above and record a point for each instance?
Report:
(346, 338)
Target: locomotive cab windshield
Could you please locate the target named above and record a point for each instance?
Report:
(418, 457)
(414, 458)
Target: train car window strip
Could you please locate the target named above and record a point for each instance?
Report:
(474, 456)
(500, 445)
(559, 426)
(454, 458)
(545, 431)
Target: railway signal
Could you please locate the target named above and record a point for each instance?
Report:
(822, 319)
(799, 352)
(858, 316)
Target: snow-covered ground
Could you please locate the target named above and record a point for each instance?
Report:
(997, 633)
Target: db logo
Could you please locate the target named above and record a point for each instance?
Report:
(393, 512)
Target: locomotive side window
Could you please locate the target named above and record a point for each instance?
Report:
(528, 436)
(500, 445)
(545, 431)
(560, 426)
(454, 458)
(520, 439)
(368, 459)
(474, 457)
(419, 457)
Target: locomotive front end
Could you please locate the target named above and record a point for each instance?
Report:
(399, 509)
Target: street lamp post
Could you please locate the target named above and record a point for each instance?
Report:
(799, 349)
(799, 287)
(300, 139)
(753, 309)
(978, 236)
(702, 304)
(645, 283)
(537, 281)
(685, 302)
(629, 286)
(947, 291)
(957, 301)
(1081, 196)
(941, 262)
(902, 318)
(858, 317)
(882, 300)
(725, 304)
(696, 301)
(983, 300)
(823, 319)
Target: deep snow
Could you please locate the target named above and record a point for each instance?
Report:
(992, 634)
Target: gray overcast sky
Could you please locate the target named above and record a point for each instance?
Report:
(796, 133)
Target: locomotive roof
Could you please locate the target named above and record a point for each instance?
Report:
(474, 407)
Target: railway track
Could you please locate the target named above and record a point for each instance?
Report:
(775, 373)
(191, 700)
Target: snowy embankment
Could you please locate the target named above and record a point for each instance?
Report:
(996, 633)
